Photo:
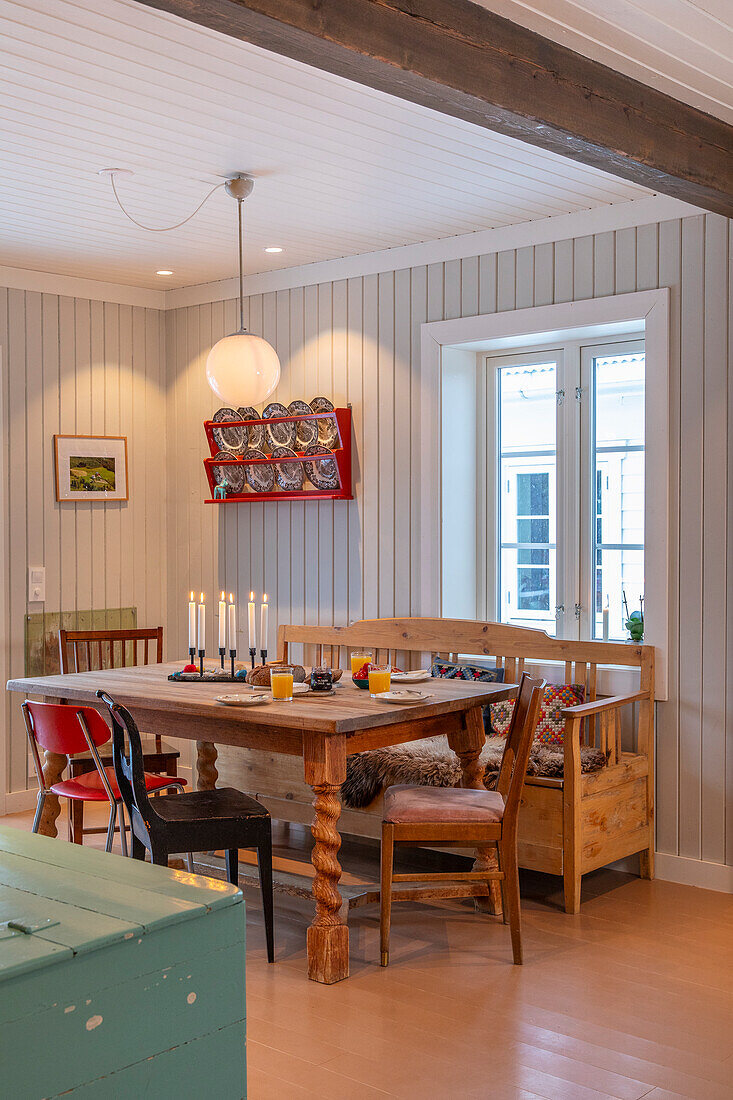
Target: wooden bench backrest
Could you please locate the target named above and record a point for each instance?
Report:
(404, 641)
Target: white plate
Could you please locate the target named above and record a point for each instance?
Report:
(242, 700)
(403, 696)
(415, 677)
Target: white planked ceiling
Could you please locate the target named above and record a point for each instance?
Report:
(340, 169)
(681, 47)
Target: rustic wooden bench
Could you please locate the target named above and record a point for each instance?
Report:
(567, 826)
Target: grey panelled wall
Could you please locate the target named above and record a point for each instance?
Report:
(73, 366)
(358, 341)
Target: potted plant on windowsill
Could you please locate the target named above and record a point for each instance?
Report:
(635, 621)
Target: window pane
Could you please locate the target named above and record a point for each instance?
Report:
(618, 449)
(527, 430)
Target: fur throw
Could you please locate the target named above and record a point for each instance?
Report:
(432, 763)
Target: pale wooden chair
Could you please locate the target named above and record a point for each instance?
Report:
(464, 818)
(91, 650)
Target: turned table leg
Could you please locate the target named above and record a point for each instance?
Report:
(328, 937)
(467, 745)
(53, 769)
(207, 774)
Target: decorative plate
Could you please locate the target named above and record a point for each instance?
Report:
(228, 439)
(290, 475)
(254, 436)
(328, 433)
(415, 677)
(230, 476)
(306, 431)
(324, 473)
(259, 478)
(403, 696)
(278, 435)
(243, 700)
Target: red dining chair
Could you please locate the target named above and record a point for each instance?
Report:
(68, 730)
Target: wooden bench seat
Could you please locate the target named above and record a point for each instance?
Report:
(567, 826)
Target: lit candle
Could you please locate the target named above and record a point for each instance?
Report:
(202, 625)
(191, 622)
(232, 624)
(222, 621)
(605, 624)
(263, 622)
(251, 623)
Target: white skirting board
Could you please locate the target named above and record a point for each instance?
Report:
(695, 872)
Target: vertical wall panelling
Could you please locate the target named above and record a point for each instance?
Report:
(84, 367)
(668, 714)
(729, 564)
(692, 352)
(360, 341)
(714, 513)
(75, 367)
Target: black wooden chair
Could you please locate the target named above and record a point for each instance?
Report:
(199, 821)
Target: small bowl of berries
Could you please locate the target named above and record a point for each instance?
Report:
(361, 676)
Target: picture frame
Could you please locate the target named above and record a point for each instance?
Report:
(90, 468)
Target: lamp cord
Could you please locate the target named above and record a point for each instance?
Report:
(241, 268)
(167, 228)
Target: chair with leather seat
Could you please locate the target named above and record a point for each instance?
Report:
(198, 821)
(68, 730)
(461, 817)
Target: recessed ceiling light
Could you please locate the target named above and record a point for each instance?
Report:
(163, 272)
(273, 248)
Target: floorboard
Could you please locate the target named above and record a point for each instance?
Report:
(632, 999)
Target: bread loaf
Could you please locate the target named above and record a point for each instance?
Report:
(259, 676)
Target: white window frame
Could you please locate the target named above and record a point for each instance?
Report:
(591, 320)
(574, 448)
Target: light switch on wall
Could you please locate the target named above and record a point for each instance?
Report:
(36, 584)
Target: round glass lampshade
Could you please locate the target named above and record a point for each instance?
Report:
(242, 369)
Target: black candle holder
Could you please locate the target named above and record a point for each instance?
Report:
(263, 655)
(221, 655)
(202, 654)
(192, 654)
(252, 654)
(232, 654)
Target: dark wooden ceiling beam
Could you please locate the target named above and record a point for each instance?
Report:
(462, 60)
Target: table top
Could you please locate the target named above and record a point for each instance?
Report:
(349, 709)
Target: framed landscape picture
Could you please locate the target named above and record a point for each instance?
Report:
(91, 467)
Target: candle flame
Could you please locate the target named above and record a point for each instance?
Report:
(264, 597)
(251, 597)
(202, 597)
(223, 596)
(231, 597)
(191, 597)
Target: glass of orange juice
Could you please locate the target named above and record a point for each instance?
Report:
(360, 658)
(281, 682)
(380, 677)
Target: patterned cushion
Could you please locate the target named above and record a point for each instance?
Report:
(451, 671)
(551, 726)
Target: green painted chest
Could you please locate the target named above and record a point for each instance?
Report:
(117, 979)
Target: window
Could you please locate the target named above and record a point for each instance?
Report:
(565, 447)
(527, 492)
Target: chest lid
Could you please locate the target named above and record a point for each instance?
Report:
(59, 899)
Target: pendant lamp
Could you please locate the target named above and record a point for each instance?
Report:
(242, 369)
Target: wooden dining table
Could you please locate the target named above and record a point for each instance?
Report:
(322, 729)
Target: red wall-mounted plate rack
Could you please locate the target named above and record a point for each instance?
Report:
(341, 454)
